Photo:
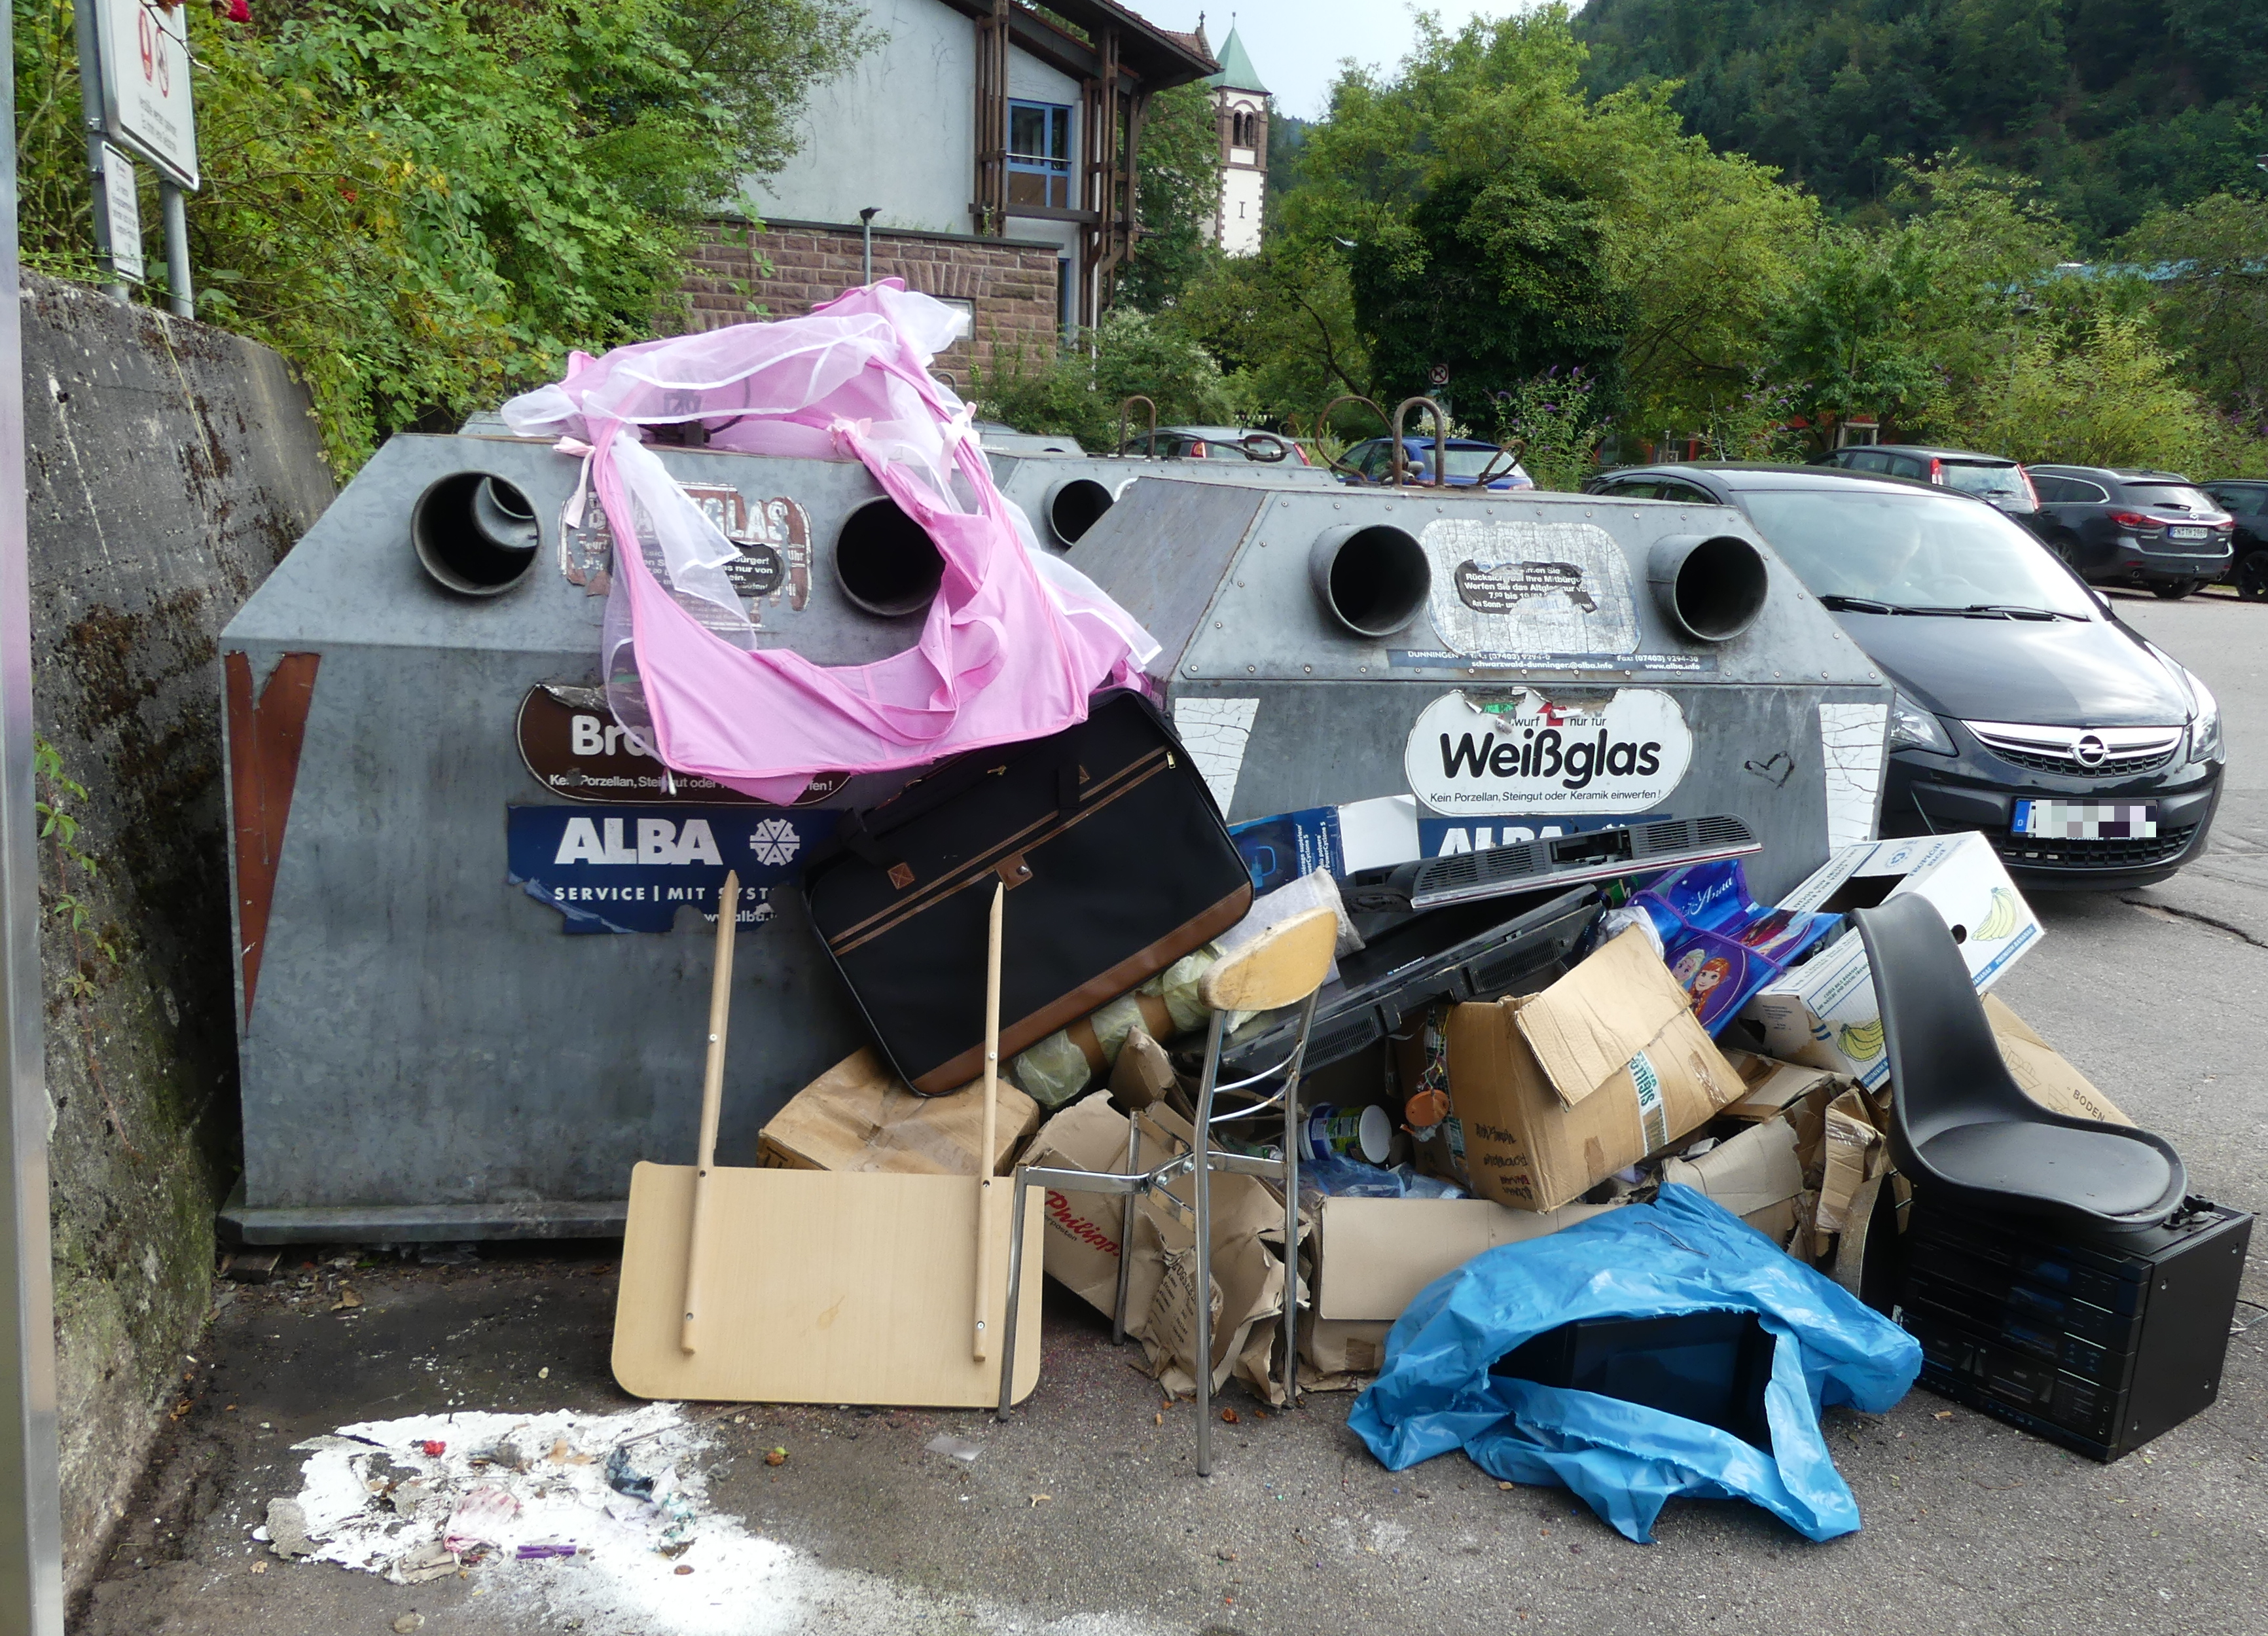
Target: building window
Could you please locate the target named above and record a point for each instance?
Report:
(1244, 129)
(1039, 154)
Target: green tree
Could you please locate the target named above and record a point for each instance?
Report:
(2118, 106)
(1914, 320)
(2110, 396)
(2208, 263)
(1179, 192)
(1504, 222)
(1281, 325)
(425, 203)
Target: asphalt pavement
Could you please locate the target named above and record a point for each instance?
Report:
(1082, 1516)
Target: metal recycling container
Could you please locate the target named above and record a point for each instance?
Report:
(1065, 495)
(472, 968)
(472, 951)
(1511, 667)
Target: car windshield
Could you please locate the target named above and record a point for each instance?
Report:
(2000, 482)
(2170, 496)
(1473, 462)
(1913, 551)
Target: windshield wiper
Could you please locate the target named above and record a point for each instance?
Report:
(2012, 611)
(1971, 610)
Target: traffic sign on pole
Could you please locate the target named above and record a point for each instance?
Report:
(145, 83)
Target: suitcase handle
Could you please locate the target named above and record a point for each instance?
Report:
(862, 842)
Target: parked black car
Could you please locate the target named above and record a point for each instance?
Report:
(1991, 477)
(2025, 707)
(2245, 499)
(2118, 526)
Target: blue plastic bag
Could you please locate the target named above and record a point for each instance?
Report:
(1681, 1254)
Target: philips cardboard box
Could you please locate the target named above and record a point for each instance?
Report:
(1823, 1012)
(1555, 1092)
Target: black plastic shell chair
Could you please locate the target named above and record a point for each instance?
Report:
(1961, 1127)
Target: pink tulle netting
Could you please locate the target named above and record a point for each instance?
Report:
(1012, 646)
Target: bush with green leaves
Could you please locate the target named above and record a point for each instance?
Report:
(2110, 395)
(425, 205)
(1077, 392)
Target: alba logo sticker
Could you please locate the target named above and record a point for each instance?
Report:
(775, 842)
(1528, 754)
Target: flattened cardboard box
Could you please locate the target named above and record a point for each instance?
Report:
(1082, 1246)
(1756, 1174)
(859, 1116)
(2044, 1077)
(1556, 1091)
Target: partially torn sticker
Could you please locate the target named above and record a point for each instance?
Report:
(1215, 731)
(1851, 743)
(633, 869)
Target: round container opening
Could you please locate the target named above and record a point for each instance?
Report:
(475, 533)
(1374, 579)
(1720, 588)
(886, 562)
(1075, 506)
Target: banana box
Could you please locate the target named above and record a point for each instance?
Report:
(1823, 1012)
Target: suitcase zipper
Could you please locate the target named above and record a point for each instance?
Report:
(982, 868)
(1022, 840)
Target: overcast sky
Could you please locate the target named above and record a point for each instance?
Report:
(1297, 45)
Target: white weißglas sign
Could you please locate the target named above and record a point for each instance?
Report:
(1525, 753)
(145, 83)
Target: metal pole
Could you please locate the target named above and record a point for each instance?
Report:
(170, 200)
(867, 236)
(89, 103)
(31, 1504)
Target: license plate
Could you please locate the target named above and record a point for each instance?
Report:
(2087, 820)
(2186, 534)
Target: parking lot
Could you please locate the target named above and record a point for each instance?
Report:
(1083, 1513)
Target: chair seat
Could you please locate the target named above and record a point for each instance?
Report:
(2116, 1176)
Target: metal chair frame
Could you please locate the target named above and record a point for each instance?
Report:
(1199, 1163)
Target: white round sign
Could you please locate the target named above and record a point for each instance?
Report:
(1528, 754)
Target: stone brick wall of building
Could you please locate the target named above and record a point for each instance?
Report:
(1010, 285)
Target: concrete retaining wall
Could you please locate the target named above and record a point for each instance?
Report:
(170, 466)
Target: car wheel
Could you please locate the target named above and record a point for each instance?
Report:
(2252, 577)
(2172, 590)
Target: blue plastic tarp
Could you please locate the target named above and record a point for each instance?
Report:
(1681, 1253)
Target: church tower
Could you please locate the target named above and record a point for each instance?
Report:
(1240, 104)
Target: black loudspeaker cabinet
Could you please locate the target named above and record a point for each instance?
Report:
(2098, 1341)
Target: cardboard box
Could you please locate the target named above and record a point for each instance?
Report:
(1823, 1012)
(1770, 1087)
(1082, 1246)
(1556, 1091)
(859, 1116)
(2046, 1078)
(1374, 1255)
(1756, 1174)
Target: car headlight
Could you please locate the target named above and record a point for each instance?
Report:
(2204, 727)
(1914, 728)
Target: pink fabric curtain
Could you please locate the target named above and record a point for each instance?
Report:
(1012, 648)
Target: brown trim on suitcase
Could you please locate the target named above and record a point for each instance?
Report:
(1090, 996)
(981, 868)
(945, 886)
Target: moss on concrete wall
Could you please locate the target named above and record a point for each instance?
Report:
(170, 466)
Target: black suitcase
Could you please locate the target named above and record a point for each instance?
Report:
(1116, 861)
